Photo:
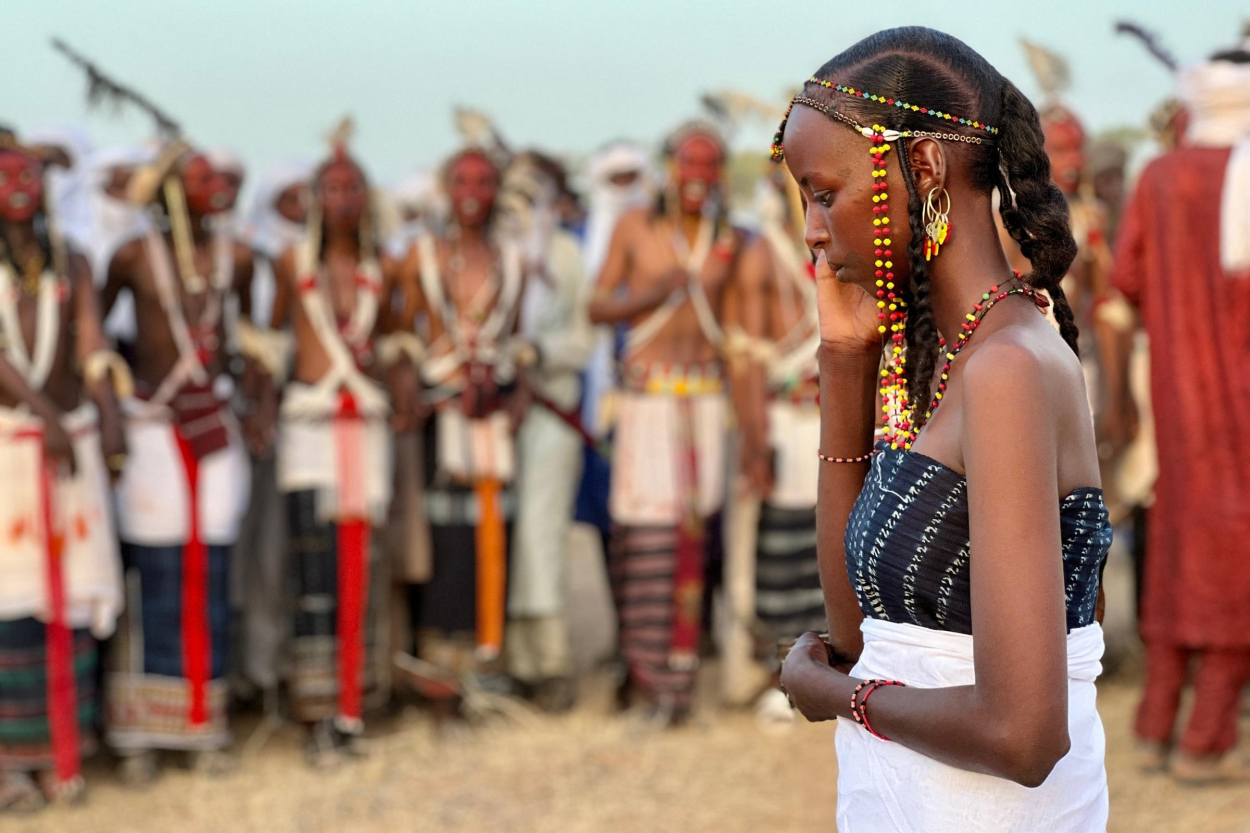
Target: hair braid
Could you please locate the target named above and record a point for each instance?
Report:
(922, 332)
(1034, 210)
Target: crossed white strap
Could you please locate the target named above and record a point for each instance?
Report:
(499, 322)
(692, 260)
(35, 369)
(343, 371)
(188, 368)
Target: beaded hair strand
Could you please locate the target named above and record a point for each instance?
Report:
(903, 392)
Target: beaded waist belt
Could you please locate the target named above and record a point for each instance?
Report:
(673, 379)
(800, 392)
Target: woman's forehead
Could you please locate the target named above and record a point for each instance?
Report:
(809, 137)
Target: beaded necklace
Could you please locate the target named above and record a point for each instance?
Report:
(900, 429)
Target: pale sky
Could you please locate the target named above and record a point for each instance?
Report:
(270, 78)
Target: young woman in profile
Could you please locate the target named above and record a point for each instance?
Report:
(960, 555)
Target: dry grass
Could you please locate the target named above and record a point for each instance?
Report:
(586, 772)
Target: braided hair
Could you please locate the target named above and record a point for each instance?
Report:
(915, 64)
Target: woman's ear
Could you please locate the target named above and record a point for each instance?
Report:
(928, 165)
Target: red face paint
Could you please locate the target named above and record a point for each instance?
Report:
(207, 191)
(343, 194)
(21, 187)
(233, 182)
(699, 162)
(1065, 145)
(472, 185)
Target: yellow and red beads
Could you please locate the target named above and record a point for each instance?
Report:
(891, 308)
(902, 434)
(903, 105)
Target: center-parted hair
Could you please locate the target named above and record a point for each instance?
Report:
(945, 75)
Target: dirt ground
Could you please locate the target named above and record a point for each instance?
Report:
(589, 771)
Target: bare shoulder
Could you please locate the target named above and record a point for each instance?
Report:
(243, 255)
(756, 261)
(633, 222)
(1024, 370)
(284, 266)
(129, 256)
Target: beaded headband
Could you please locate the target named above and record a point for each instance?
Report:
(902, 105)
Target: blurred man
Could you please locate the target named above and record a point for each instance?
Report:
(552, 319)
(333, 456)
(620, 180)
(1107, 163)
(467, 283)
(1089, 279)
(771, 351)
(664, 275)
(60, 576)
(1182, 259)
(184, 490)
(229, 165)
(274, 223)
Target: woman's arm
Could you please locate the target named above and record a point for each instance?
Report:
(848, 382)
(1012, 723)
(849, 360)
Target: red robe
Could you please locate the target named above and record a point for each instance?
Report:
(1197, 573)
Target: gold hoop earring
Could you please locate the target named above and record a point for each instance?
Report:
(937, 223)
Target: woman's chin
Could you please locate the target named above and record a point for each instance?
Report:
(847, 276)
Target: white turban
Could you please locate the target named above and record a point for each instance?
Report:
(1217, 94)
(270, 234)
(264, 229)
(67, 189)
(226, 161)
(419, 194)
(113, 223)
(608, 201)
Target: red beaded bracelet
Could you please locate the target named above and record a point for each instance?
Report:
(863, 458)
(863, 705)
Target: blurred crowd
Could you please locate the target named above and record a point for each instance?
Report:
(321, 452)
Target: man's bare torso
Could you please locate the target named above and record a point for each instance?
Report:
(63, 386)
(157, 350)
(653, 253)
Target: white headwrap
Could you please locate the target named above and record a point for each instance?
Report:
(113, 223)
(1217, 94)
(608, 201)
(264, 229)
(422, 194)
(270, 234)
(67, 189)
(226, 161)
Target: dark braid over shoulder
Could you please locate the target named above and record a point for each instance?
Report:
(922, 333)
(1037, 218)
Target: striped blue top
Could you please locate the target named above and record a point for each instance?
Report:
(907, 545)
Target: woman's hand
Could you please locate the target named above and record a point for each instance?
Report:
(848, 314)
(805, 675)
